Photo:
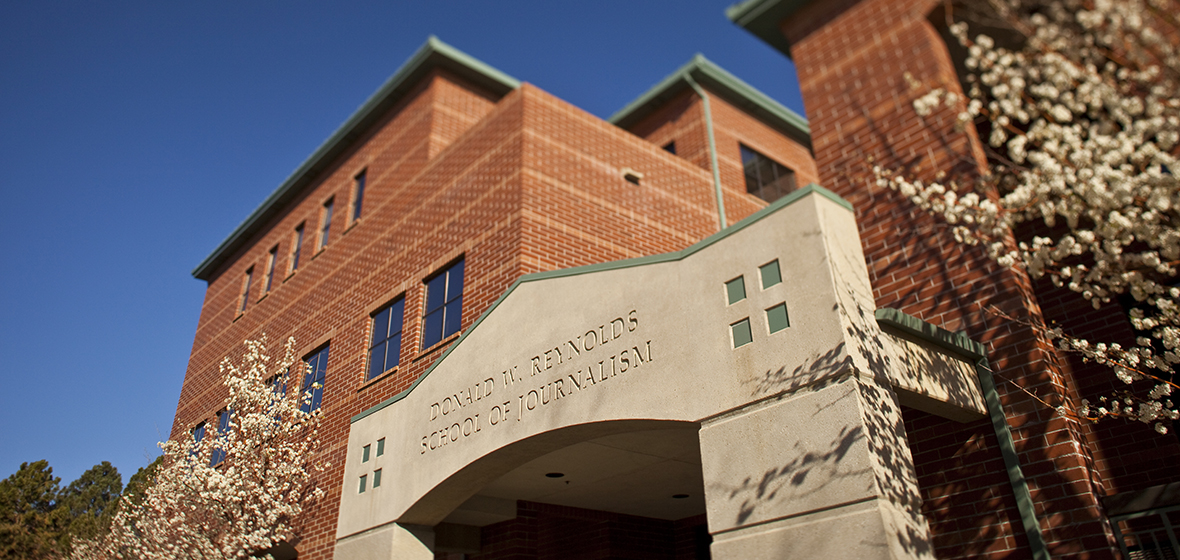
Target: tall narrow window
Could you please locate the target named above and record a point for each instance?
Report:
(246, 289)
(198, 435)
(219, 454)
(386, 343)
(444, 305)
(765, 178)
(327, 227)
(271, 259)
(313, 380)
(296, 247)
(359, 197)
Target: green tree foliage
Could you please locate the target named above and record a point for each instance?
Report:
(86, 504)
(29, 527)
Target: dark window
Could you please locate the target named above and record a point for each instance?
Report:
(386, 343)
(670, 147)
(327, 228)
(270, 267)
(313, 380)
(296, 247)
(444, 305)
(219, 453)
(360, 195)
(198, 435)
(765, 178)
(246, 288)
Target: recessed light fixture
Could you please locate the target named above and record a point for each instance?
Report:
(554, 475)
(679, 496)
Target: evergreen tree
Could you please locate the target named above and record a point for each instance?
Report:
(86, 505)
(29, 527)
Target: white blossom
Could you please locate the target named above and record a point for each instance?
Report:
(250, 499)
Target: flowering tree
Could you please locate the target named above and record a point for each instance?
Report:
(1083, 127)
(225, 493)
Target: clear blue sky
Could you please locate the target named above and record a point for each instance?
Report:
(134, 136)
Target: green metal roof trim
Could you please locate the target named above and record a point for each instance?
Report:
(615, 265)
(724, 84)
(762, 18)
(957, 343)
(434, 53)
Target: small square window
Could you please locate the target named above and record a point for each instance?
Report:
(364, 479)
(735, 290)
(776, 318)
(365, 454)
(741, 333)
(771, 275)
(380, 447)
(376, 478)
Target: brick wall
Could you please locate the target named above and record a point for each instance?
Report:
(520, 184)
(851, 59)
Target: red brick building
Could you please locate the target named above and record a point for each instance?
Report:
(455, 185)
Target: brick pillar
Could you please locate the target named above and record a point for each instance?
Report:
(851, 57)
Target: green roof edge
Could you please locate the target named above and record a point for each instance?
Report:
(615, 265)
(432, 53)
(957, 343)
(761, 17)
(729, 86)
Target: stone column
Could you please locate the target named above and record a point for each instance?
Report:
(393, 541)
(823, 472)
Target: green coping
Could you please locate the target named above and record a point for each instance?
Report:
(376, 478)
(365, 454)
(771, 275)
(674, 256)
(957, 343)
(736, 289)
(380, 447)
(776, 317)
(742, 335)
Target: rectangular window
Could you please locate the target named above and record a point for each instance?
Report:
(444, 305)
(380, 447)
(198, 435)
(219, 453)
(296, 247)
(271, 259)
(246, 289)
(327, 227)
(765, 178)
(377, 478)
(313, 380)
(386, 343)
(365, 454)
(359, 194)
(364, 477)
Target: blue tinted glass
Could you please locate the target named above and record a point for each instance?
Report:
(393, 351)
(317, 371)
(455, 282)
(396, 316)
(199, 433)
(223, 422)
(377, 360)
(380, 327)
(436, 291)
(432, 326)
(454, 317)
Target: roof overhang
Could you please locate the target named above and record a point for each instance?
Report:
(433, 54)
(762, 18)
(722, 83)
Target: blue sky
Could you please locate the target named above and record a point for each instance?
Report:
(134, 136)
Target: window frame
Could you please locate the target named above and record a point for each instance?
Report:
(272, 261)
(358, 194)
(314, 373)
(247, 279)
(326, 223)
(398, 303)
(296, 247)
(217, 455)
(446, 317)
(753, 167)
